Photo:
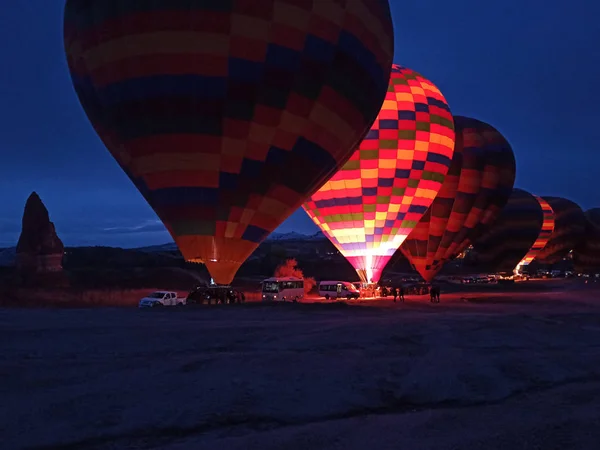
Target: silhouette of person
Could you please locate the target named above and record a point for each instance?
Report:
(401, 293)
(395, 293)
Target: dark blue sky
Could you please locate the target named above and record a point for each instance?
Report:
(531, 68)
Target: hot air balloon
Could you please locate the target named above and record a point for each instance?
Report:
(544, 236)
(512, 235)
(228, 115)
(477, 187)
(586, 256)
(569, 230)
(369, 207)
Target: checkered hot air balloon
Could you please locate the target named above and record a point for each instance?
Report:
(569, 230)
(544, 236)
(228, 114)
(513, 234)
(586, 256)
(476, 188)
(377, 198)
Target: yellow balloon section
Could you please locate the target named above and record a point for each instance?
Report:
(372, 204)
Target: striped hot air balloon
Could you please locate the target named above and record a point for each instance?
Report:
(510, 238)
(228, 114)
(369, 207)
(544, 236)
(569, 230)
(477, 187)
(586, 256)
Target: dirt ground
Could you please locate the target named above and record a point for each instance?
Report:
(478, 371)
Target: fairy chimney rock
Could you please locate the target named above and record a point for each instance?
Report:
(39, 248)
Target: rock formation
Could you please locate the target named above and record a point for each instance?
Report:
(39, 249)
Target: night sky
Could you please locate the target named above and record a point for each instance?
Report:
(530, 68)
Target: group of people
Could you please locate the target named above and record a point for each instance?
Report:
(398, 293)
(434, 294)
(219, 295)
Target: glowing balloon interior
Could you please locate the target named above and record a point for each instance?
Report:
(227, 115)
(377, 198)
(569, 230)
(543, 238)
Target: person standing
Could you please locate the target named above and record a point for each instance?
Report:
(432, 293)
(401, 293)
(395, 293)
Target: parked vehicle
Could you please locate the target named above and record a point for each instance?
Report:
(338, 289)
(162, 298)
(283, 289)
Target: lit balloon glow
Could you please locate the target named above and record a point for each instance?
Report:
(227, 115)
(477, 187)
(569, 230)
(377, 198)
(543, 238)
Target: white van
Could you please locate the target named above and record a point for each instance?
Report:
(338, 289)
(283, 289)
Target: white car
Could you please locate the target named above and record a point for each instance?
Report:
(162, 298)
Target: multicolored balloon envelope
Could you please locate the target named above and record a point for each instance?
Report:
(516, 230)
(543, 238)
(586, 256)
(569, 230)
(477, 187)
(369, 207)
(228, 114)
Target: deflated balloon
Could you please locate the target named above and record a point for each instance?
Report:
(477, 187)
(228, 114)
(569, 230)
(377, 198)
(510, 238)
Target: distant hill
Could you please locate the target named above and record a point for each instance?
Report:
(136, 267)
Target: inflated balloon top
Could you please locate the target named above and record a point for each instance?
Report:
(377, 198)
(569, 230)
(476, 188)
(227, 114)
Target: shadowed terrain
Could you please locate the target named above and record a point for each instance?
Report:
(297, 376)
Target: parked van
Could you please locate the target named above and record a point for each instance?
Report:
(338, 289)
(283, 289)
